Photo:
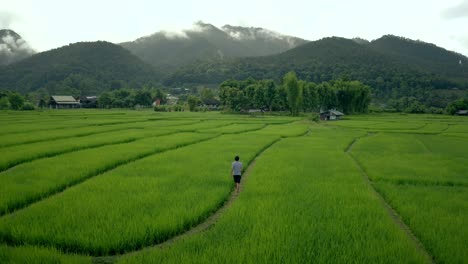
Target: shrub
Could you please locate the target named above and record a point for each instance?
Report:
(28, 107)
(4, 103)
(160, 108)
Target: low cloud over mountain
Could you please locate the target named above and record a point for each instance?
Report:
(171, 49)
(12, 47)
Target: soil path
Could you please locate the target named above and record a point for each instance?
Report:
(206, 224)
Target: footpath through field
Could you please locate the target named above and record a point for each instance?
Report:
(422, 177)
(146, 201)
(305, 200)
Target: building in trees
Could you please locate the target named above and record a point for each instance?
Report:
(63, 101)
(331, 115)
(88, 101)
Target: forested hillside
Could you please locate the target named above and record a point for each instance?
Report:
(82, 68)
(168, 50)
(392, 72)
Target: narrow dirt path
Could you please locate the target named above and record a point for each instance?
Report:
(391, 212)
(206, 224)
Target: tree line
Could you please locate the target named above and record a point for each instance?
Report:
(129, 98)
(295, 95)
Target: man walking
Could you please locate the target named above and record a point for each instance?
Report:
(236, 171)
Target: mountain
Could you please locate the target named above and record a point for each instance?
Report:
(86, 68)
(426, 56)
(169, 50)
(12, 47)
(393, 66)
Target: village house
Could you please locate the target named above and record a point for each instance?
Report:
(63, 101)
(331, 115)
(172, 100)
(462, 112)
(211, 103)
(88, 101)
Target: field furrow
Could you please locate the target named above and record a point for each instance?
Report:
(106, 186)
(315, 211)
(147, 201)
(436, 214)
(424, 178)
(14, 155)
(33, 181)
(49, 135)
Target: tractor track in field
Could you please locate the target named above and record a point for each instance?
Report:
(390, 210)
(202, 226)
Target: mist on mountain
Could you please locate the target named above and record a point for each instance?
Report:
(13, 48)
(170, 49)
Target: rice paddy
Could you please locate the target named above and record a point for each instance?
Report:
(115, 186)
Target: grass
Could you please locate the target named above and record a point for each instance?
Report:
(33, 255)
(436, 214)
(234, 128)
(162, 173)
(21, 187)
(146, 201)
(14, 155)
(406, 159)
(424, 178)
(311, 212)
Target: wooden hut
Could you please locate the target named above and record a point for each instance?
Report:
(63, 101)
(331, 115)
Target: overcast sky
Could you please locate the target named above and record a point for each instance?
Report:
(48, 24)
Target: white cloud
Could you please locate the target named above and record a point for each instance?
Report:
(7, 18)
(12, 49)
(174, 34)
(458, 11)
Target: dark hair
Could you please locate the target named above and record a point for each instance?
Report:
(236, 158)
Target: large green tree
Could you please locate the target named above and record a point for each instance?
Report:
(294, 92)
(16, 101)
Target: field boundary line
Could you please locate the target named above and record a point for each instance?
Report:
(445, 129)
(84, 134)
(77, 126)
(421, 183)
(202, 226)
(97, 145)
(61, 189)
(64, 137)
(424, 145)
(210, 220)
(390, 210)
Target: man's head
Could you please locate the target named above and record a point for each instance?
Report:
(236, 158)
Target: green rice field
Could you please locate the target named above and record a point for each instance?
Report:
(121, 186)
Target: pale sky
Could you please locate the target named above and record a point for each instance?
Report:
(48, 24)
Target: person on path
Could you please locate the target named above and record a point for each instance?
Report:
(236, 170)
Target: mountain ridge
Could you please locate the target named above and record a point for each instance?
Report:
(78, 68)
(166, 49)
